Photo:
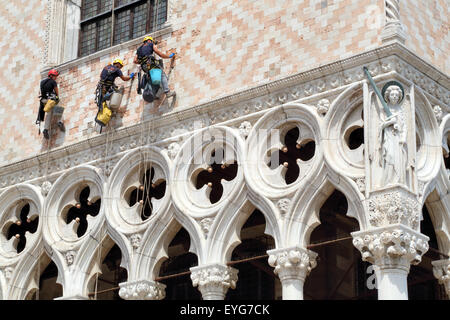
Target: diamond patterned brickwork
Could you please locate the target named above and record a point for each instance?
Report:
(428, 30)
(224, 47)
(22, 32)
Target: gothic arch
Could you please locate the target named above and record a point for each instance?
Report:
(307, 203)
(155, 248)
(69, 252)
(90, 266)
(18, 267)
(437, 207)
(429, 158)
(224, 236)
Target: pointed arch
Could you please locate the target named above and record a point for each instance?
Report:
(224, 236)
(304, 217)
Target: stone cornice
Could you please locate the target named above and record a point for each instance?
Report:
(237, 106)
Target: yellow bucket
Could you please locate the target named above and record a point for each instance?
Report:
(49, 105)
(104, 116)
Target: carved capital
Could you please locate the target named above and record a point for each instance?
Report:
(214, 280)
(441, 270)
(392, 206)
(391, 247)
(142, 290)
(292, 263)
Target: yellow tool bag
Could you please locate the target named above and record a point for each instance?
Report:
(104, 115)
(49, 105)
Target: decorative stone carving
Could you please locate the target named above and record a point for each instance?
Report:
(294, 262)
(361, 183)
(438, 113)
(390, 247)
(205, 224)
(45, 188)
(214, 280)
(441, 270)
(283, 205)
(323, 106)
(245, 128)
(70, 257)
(135, 240)
(394, 205)
(7, 272)
(393, 139)
(142, 290)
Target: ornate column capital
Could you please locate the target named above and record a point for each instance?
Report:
(292, 263)
(441, 270)
(392, 247)
(213, 280)
(142, 290)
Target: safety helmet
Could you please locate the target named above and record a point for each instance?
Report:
(118, 61)
(148, 38)
(53, 72)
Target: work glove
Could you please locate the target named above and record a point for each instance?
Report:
(171, 55)
(132, 75)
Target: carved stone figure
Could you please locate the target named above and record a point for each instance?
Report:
(393, 140)
(70, 257)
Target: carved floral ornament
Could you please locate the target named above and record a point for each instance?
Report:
(293, 262)
(394, 206)
(214, 277)
(441, 270)
(393, 246)
(142, 290)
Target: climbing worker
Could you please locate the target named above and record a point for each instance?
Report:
(144, 56)
(48, 99)
(106, 88)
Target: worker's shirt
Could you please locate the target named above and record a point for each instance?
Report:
(145, 50)
(48, 87)
(110, 73)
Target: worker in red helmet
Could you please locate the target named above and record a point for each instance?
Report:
(49, 92)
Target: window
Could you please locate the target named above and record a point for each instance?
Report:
(109, 22)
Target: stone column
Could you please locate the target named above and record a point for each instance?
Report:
(142, 290)
(391, 249)
(213, 280)
(393, 29)
(441, 270)
(292, 265)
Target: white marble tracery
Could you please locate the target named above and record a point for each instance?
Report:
(388, 212)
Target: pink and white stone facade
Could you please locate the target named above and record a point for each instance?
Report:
(242, 66)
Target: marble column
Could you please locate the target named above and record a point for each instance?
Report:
(391, 249)
(441, 270)
(292, 265)
(214, 280)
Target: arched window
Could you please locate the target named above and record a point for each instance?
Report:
(109, 22)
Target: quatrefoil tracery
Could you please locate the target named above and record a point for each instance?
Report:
(79, 212)
(293, 153)
(17, 231)
(218, 169)
(145, 192)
